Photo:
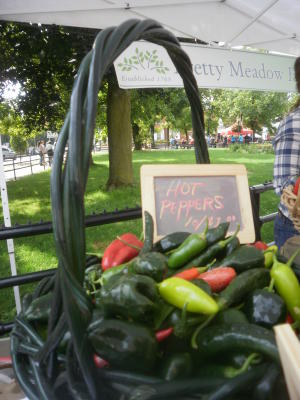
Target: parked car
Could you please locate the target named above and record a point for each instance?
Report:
(32, 151)
(8, 153)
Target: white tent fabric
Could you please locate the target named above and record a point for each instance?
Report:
(262, 24)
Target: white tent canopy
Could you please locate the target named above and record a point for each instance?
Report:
(262, 24)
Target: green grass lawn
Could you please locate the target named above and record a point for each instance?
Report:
(29, 199)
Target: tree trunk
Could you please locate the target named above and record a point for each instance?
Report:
(152, 137)
(136, 137)
(167, 135)
(119, 136)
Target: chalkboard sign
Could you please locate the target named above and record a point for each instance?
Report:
(184, 197)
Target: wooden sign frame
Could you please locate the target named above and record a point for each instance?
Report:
(238, 171)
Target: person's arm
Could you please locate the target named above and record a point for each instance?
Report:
(287, 157)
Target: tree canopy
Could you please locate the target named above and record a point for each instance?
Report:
(43, 60)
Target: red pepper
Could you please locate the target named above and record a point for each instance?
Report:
(191, 273)
(289, 319)
(121, 250)
(163, 334)
(260, 245)
(218, 278)
(188, 274)
(99, 362)
(296, 186)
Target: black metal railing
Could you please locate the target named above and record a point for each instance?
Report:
(101, 219)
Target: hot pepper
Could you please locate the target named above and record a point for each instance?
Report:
(211, 252)
(179, 293)
(163, 334)
(213, 235)
(125, 345)
(121, 250)
(130, 296)
(191, 273)
(191, 247)
(287, 285)
(244, 258)
(218, 278)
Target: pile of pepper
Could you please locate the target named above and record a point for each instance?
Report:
(188, 306)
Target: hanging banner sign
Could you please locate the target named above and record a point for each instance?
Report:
(146, 65)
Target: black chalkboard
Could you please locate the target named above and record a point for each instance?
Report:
(181, 197)
(184, 204)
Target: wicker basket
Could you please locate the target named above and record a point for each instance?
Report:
(40, 370)
(292, 202)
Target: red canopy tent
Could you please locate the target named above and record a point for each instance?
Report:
(229, 132)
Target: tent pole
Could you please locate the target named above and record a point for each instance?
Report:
(7, 223)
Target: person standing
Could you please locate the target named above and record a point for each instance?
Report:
(41, 150)
(287, 164)
(50, 152)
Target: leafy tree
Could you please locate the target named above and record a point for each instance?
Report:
(43, 60)
(19, 143)
(255, 109)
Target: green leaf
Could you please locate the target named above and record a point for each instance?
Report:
(146, 57)
(154, 51)
(161, 63)
(157, 63)
(148, 53)
(167, 69)
(137, 50)
(125, 60)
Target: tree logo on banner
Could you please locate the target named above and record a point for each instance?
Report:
(143, 61)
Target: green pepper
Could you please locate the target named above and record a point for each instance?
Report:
(231, 316)
(287, 285)
(213, 235)
(152, 264)
(263, 389)
(230, 248)
(191, 247)
(179, 292)
(125, 345)
(130, 296)
(243, 383)
(202, 285)
(264, 308)
(170, 241)
(211, 252)
(110, 272)
(243, 258)
(223, 339)
(227, 370)
(39, 309)
(239, 288)
(177, 365)
(149, 230)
